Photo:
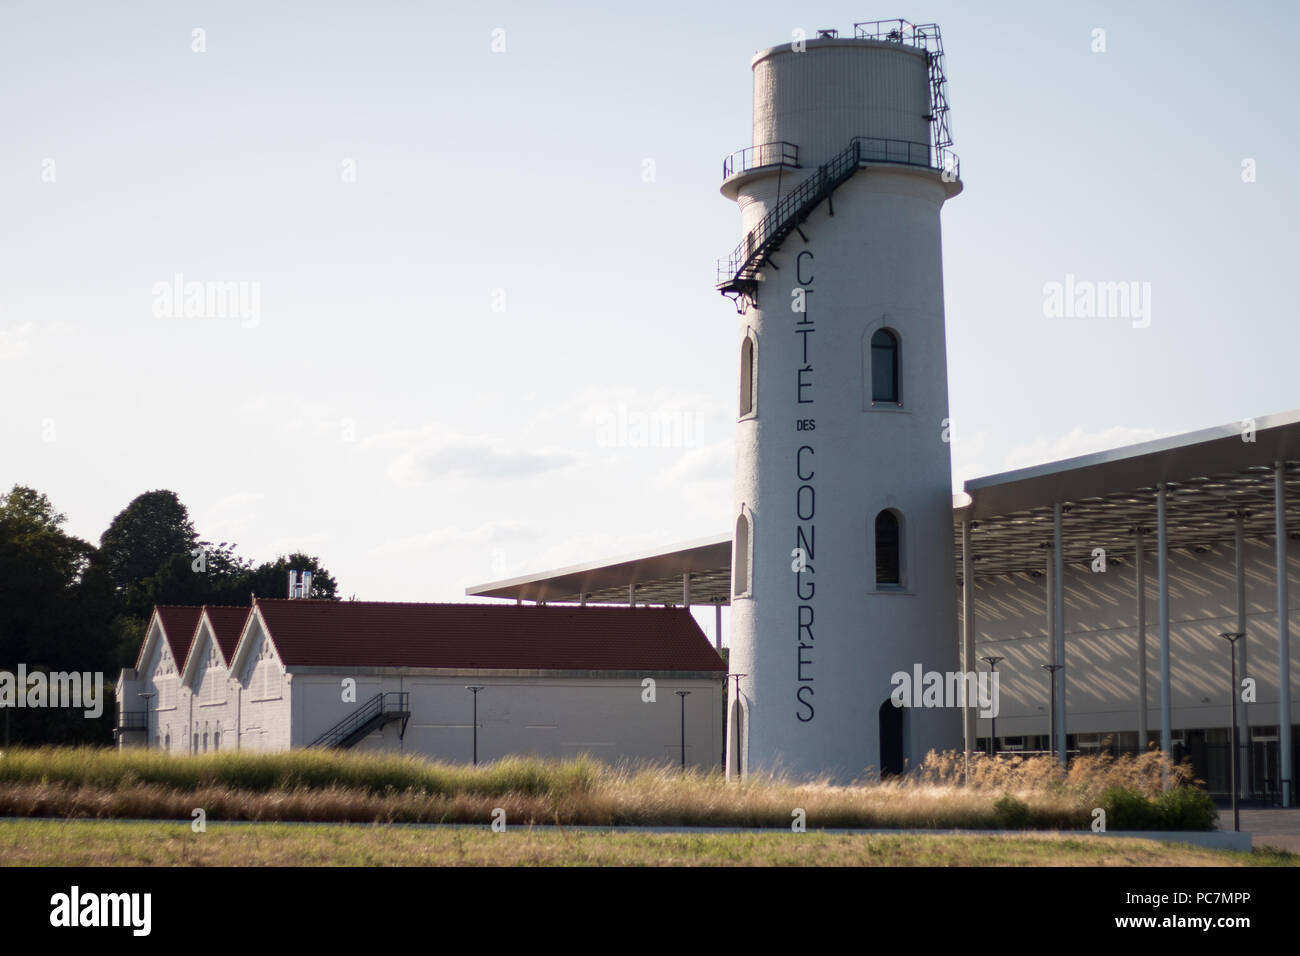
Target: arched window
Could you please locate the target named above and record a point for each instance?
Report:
(740, 581)
(884, 368)
(167, 743)
(888, 550)
(216, 740)
(747, 369)
(205, 741)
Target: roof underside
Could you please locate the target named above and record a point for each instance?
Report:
(1211, 477)
(658, 577)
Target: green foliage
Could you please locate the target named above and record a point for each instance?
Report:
(144, 537)
(1186, 808)
(1179, 808)
(270, 580)
(66, 605)
(1129, 810)
(1012, 814)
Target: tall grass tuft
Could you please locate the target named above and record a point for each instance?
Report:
(327, 785)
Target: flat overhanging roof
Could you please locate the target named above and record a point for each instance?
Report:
(1212, 477)
(657, 576)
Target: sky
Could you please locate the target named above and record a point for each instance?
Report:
(473, 330)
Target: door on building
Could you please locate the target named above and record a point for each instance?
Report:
(891, 739)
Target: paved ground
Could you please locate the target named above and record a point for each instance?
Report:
(1271, 826)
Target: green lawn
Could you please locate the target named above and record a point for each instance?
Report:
(115, 843)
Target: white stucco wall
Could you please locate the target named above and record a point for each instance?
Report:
(544, 715)
(817, 458)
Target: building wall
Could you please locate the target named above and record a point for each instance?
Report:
(169, 719)
(538, 715)
(214, 697)
(1101, 641)
(264, 696)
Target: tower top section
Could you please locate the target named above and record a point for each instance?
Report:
(826, 107)
(884, 83)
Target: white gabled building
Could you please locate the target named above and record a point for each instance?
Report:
(553, 681)
(211, 694)
(151, 707)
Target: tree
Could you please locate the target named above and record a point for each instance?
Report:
(54, 609)
(271, 578)
(147, 534)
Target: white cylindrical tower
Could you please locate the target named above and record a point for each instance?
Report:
(843, 557)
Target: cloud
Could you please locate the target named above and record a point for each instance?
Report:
(15, 341)
(431, 452)
(1074, 443)
(490, 532)
(711, 463)
(238, 501)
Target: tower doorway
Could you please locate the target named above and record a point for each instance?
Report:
(891, 739)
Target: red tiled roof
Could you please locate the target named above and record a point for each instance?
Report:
(178, 624)
(227, 625)
(490, 636)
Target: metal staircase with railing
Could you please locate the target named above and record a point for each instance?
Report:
(738, 274)
(375, 714)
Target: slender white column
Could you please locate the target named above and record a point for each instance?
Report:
(1243, 711)
(1050, 631)
(1140, 587)
(1162, 563)
(631, 595)
(717, 626)
(967, 630)
(1058, 625)
(686, 589)
(1283, 634)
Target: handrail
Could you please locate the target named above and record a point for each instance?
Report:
(133, 720)
(779, 153)
(375, 707)
(742, 266)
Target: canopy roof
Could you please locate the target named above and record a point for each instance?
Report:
(1211, 477)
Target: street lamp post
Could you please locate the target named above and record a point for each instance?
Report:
(683, 694)
(1051, 670)
(1232, 637)
(147, 698)
(734, 725)
(993, 733)
(474, 689)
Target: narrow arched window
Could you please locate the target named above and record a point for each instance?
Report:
(888, 550)
(216, 740)
(747, 377)
(884, 368)
(740, 577)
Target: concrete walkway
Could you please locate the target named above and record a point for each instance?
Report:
(1270, 826)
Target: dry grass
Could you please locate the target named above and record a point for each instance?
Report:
(334, 786)
(115, 843)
